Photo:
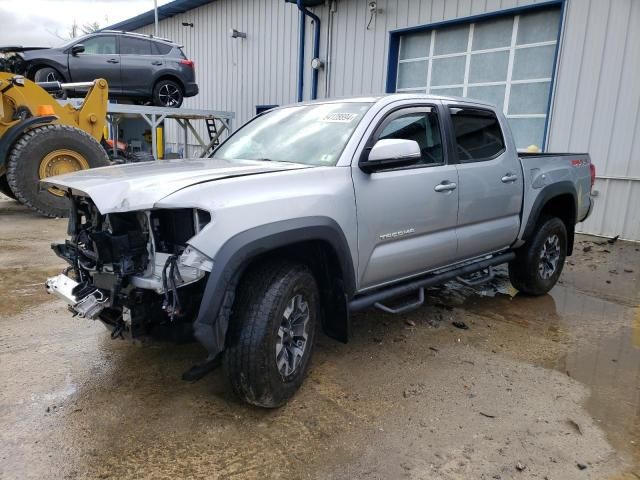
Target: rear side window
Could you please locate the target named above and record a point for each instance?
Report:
(134, 46)
(422, 127)
(160, 48)
(478, 134)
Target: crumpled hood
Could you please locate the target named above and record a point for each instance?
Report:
(138, 186)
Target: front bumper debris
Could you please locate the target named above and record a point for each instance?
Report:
(85, 305)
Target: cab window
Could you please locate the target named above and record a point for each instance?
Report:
(477, 133)
(422, 127)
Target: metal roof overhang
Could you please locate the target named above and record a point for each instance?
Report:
(166, 11)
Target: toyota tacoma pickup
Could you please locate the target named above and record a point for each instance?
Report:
(308, 213)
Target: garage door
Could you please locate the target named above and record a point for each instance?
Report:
(507, 61)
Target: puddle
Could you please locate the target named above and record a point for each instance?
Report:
(599, 345)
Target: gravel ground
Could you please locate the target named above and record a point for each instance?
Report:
(539, 388)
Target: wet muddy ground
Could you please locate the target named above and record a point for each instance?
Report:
(539, 388)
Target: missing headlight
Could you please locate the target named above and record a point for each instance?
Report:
(172, 228)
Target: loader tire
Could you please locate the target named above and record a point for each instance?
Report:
(271, 332)
(538, 263)
(47, 151)
(4, 187)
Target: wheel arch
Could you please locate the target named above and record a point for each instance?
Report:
(559, 200)
(35, 65)
(166, 75)
(315, 241)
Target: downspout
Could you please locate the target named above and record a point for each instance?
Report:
(302, 34)
(316, 50)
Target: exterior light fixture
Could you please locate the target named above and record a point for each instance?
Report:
(187, 24)
(236, 34)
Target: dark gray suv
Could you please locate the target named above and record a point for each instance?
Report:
(138, 67)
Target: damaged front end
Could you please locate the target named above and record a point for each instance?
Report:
(134, 271)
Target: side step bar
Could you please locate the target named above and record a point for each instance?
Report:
(368, 300)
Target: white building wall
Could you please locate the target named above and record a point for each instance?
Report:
(596, 96)
(597, 104)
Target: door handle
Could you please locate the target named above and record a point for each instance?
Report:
(113, 60)
(509, 177)
(445, 186)
(156, 63)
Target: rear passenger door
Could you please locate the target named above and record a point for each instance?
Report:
(406, 215)
(138, 66)
(489, 180)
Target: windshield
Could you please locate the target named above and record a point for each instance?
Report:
(309, 134)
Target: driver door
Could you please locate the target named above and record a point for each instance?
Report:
(100, 59)
(407, 215)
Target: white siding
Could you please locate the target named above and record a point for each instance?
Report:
(596, 107)
(236, 74)
(596, 93)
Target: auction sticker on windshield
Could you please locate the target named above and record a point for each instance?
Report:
(339, 117)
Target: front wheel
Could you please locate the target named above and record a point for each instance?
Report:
(47, 74)
(539, 262)
(271, 333)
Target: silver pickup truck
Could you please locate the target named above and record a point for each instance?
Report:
(310, 212)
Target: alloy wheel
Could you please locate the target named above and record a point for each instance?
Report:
(291, 343)
(549, 257)
(169, 95)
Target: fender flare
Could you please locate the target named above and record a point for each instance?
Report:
(546, 194)
(210, 326)
(14, 132)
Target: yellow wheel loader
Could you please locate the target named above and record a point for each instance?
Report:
(39, 138)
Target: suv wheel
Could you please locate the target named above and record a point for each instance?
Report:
(271, 333)
(47, 74)
(539, 262)
(167, 93)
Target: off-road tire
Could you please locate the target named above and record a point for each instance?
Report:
(250, 358)
(24, 162)
(5, 188)
(524, 271)
(159, 100)
(137, 157)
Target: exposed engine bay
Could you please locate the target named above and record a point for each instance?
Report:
(133, 270)
(11, 61)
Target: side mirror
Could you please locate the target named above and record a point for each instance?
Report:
(389, 153)
(77, 48)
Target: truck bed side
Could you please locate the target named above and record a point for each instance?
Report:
(548, 176)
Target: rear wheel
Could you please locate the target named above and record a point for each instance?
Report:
(45, 152)
(167, 93)
(271, 333)
(539, 262)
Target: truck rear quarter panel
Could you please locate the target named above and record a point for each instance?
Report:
(543, 171)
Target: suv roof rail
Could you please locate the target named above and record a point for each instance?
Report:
(145, 35)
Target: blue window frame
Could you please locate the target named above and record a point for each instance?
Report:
(513, 51)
